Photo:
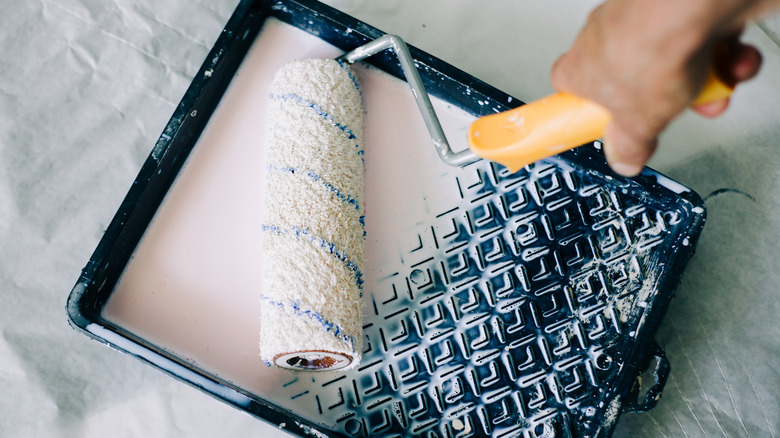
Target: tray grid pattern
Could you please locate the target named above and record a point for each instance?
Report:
(507, 314)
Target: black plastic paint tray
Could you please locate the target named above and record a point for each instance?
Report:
(497, 304)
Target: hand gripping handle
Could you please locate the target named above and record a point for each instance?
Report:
(554, 124)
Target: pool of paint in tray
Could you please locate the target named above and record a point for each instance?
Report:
(193, 284)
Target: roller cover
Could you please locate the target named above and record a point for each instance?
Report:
(313, 222)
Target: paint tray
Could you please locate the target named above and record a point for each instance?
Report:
(496, 304)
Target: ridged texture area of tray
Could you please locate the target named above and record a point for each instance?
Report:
(512, 313)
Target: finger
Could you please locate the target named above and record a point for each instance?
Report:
(744, 63)
(712, 109)
(560, 77)
(625, 153)
(737, 62)
(741, 63)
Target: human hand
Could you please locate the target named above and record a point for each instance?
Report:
(646, 61)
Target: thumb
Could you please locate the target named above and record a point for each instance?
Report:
(626, 153)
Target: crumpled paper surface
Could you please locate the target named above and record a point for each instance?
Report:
(86, 86)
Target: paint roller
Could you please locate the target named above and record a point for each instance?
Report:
(314, 227)
(313, 217)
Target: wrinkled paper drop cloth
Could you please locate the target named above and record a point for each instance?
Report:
(86, 87)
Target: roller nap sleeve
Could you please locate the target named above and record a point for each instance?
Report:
(313, 219)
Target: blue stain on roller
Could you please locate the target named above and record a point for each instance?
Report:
(296, 308)
(314, 177)
(329, 246)
(322, 113)
(351, 75)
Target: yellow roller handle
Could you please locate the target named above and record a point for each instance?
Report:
(554, 124)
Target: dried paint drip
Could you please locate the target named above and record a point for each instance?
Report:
(313, 219)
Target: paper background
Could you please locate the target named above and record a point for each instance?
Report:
(86, 86)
